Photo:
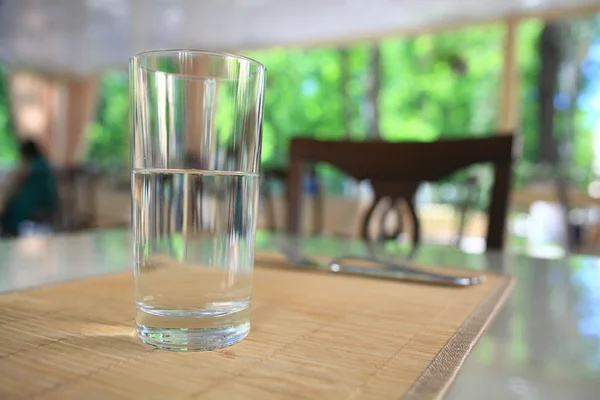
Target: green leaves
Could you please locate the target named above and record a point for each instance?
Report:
(108, 136)
(433, 86)
(8, 138)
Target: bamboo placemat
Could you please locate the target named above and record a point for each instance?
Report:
(313, 336)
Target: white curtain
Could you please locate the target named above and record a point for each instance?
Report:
(55, 112)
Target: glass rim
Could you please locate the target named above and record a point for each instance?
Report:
(157, 52)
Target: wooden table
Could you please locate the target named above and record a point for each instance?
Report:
(543, 344)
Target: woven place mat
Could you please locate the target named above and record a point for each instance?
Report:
(313, 336)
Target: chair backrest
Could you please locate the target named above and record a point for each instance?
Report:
(397, 169)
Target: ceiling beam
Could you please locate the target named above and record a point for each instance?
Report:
(550, 14)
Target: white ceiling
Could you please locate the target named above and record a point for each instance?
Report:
(84, 36)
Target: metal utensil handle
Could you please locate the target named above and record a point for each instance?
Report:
(396, 271)
(399, 275)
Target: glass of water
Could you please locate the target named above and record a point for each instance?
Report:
(196, 120)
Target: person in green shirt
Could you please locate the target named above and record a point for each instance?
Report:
(33, 193)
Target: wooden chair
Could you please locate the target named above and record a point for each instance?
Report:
(77, 198)
(397, 169)
(271, 175)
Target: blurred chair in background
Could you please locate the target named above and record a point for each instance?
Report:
(395, 171)
(473, 190)
(77, 187)
(273, 175)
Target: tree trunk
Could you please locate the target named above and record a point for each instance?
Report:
(346, 101)
(372, 98)
(549, 48)
(549, 52)
(576, 40)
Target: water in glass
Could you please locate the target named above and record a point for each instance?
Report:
(193, 256)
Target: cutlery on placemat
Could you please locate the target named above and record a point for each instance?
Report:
(384, 270)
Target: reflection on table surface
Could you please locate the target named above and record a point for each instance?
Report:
(544, 343)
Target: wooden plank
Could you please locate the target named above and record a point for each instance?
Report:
(510, 79)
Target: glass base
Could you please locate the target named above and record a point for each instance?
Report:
(192, 339)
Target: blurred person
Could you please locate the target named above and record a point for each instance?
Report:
(32, 192)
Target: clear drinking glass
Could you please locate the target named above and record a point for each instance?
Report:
(196, 120)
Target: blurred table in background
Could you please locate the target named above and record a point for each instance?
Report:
(524, 197)
(439, 221)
